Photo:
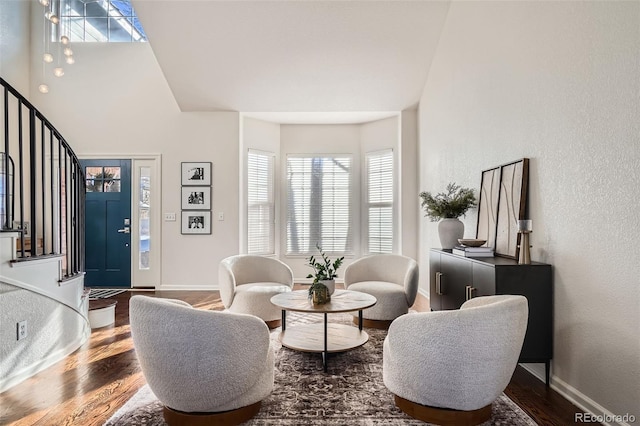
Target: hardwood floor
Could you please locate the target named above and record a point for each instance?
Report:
(91, 384)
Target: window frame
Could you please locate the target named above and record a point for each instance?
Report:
(351, 236)
(368, 205)
(272, 203)
(69, 19)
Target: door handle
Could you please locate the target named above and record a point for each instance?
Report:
(125, 230)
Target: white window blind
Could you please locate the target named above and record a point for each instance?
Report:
(319, 204)
(260, 203)
(380, 201)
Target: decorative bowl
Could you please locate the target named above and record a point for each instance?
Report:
(470, 242)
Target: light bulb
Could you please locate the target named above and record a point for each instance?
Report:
(70, 60)
(43, 88)
(67, 51)
(58, 72)
(47, 57)
(44, 2)
(64, 40)
(52, 17)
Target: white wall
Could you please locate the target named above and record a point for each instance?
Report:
(15, 44)
(115, 101)
(557, 82)
(408, 176)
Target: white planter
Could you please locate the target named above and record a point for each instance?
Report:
(449, 231)
(330, 285)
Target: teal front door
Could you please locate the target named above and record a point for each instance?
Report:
(108, 223)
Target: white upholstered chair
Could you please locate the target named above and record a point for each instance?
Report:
(448, 367)
(391, 278)
(247, 283)
(197, 363)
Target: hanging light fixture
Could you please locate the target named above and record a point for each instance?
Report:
(54, 12)
(52, 17)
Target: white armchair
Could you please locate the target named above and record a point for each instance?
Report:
(448, 367)
(248, 282)
(197, 363)
(391, 278)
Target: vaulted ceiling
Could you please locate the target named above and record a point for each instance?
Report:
(294, 56)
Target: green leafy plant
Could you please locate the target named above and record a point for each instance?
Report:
(450, 205)
(324, 269)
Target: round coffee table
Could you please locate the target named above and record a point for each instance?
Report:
(337, 337)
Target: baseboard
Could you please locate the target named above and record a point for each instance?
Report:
(27, 372)
(424, 293)
(582, 401)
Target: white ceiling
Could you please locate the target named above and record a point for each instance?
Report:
(294, 56)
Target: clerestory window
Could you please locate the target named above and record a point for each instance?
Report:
(98, 21)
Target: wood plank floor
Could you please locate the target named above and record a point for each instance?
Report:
(91, 384)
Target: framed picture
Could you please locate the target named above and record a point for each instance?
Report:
(196, 198)
(196, 173)
(512, 204)
(196, 222)
(488, 206)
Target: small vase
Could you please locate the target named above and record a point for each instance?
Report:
(330, 285)
(449, 231)
(320, 295)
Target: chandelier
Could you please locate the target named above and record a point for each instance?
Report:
(58, 54)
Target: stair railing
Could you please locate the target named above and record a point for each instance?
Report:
(43, 178)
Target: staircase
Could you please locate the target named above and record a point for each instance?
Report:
(43, 305)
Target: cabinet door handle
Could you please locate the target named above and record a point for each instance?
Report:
(439, 283)
(469, 292)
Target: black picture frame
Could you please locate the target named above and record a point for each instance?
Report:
(196, 198)
(196, 173)
(196, 222)
(502, 202)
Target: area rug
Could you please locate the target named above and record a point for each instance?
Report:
(350, 393)
(99, 293)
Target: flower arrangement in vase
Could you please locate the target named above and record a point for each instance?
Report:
(324, 274)
(447, 207)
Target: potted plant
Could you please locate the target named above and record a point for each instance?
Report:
(447, 207)
(324, 275)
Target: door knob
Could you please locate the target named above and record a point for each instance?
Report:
(125, 230)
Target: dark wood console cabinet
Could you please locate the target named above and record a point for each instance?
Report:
(453, 279)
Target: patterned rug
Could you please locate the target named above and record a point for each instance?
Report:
(99, 293)
(350, 393)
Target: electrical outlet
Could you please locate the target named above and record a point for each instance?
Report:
(22, 330)
(169, 217)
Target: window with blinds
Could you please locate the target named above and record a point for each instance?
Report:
(319, 204)
(260, 203)
(380, 201)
